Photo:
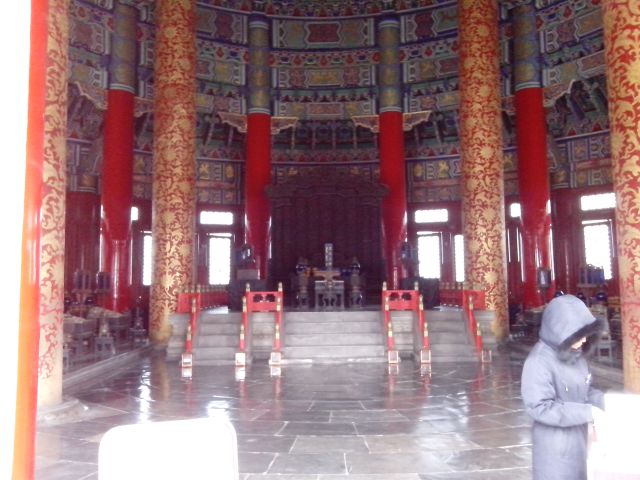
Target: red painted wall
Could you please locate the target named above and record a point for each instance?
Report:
(82, 235)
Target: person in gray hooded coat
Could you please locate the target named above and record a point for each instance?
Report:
(557, 391)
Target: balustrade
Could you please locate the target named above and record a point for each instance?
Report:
(405, 300)
(254, 302)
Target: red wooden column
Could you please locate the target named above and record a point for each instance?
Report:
(174, 171)
(566, 227)
(391, 148)
(482, 158)
(117, 166)
(19, 370)
(533, 171)
(622, 47)
(258, 161)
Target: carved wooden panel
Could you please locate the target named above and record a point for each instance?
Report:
(326, 207)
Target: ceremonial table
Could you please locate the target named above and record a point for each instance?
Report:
(329, 294)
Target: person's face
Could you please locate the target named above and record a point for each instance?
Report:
(578, 344)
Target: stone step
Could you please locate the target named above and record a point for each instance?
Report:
(214, 356)
(295, 327)
(211, 341)
(445, 312)
(331, 339)
(336, 352)
(332, 336)
(485, 319)
(444, 337)
(446, 326)
(334, 316)
(216, 318)
(219, 328)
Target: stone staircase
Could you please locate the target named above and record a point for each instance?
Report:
(217, 338)
(448, 335)
(337, 336)
(324, 337)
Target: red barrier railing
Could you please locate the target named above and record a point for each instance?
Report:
(193, 300)
(405, 300)
(472, 300)
(207, 296)
(254, 302)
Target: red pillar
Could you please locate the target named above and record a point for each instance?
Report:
(531, 137)
(533, 171)
(566, 228)
(391, 147)
(394, 205)
(258, 168)
(81, 235)
(258, 150)
(117, 166)
(117, 187)
(28, 340)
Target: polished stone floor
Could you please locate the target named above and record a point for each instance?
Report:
(315, 422)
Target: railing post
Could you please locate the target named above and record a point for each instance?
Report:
(392, 354)
(425, 351)
(275, 358)
(474, 328)
(186, 360)
(241, 355)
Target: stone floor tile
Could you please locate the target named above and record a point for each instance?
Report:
(253, 462)
(479, 459)
(324, 444)
(418, 443)
(307, 416)
(308, 428)
(315, 422)
(502, 474)
(372, 476)
(501, 437)
(394, 463)
(279, 476)
(309, 463)
(265, 443)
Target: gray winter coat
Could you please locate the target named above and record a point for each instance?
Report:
(557, 391)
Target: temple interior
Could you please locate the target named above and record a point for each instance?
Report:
(334, 224)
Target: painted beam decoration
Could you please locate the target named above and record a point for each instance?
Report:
(322, 61)
(339, 34)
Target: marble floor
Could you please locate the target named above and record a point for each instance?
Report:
(314, 422)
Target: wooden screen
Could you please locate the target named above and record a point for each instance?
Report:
(326, 208)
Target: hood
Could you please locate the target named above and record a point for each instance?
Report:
(567, 319)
